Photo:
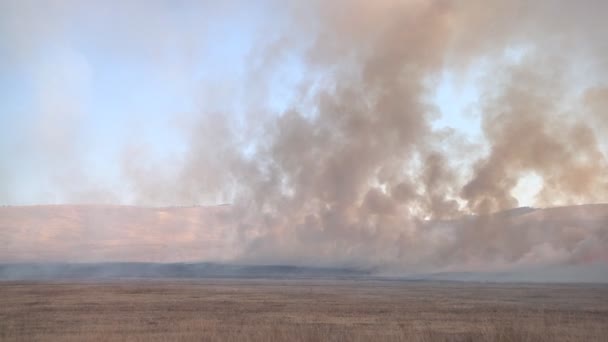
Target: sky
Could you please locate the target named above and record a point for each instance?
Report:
(92, 81)
(93, 93)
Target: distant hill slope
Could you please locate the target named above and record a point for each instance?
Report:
(101, 271)
(92, 233)
(106, 233)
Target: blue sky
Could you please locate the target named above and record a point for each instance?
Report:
(100, 80)
(91, 81)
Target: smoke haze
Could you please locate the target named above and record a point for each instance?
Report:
(325, 139)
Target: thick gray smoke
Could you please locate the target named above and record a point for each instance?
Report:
(353, 177)
(353, 172)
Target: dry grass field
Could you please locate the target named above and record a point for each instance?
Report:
(301, 310)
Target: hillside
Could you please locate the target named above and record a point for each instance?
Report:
(91, 233)
(101, 233)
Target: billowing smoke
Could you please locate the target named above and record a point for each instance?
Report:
(353, 171)
(352, 177)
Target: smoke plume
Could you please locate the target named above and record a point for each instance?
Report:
(352, 171)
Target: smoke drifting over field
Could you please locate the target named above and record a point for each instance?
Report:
(353, 172)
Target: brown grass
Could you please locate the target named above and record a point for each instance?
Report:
(231, 310)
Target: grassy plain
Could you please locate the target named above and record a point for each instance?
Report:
(301, 310)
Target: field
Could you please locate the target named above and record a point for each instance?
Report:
(301, 310)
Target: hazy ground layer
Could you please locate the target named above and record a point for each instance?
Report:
(302, 310)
